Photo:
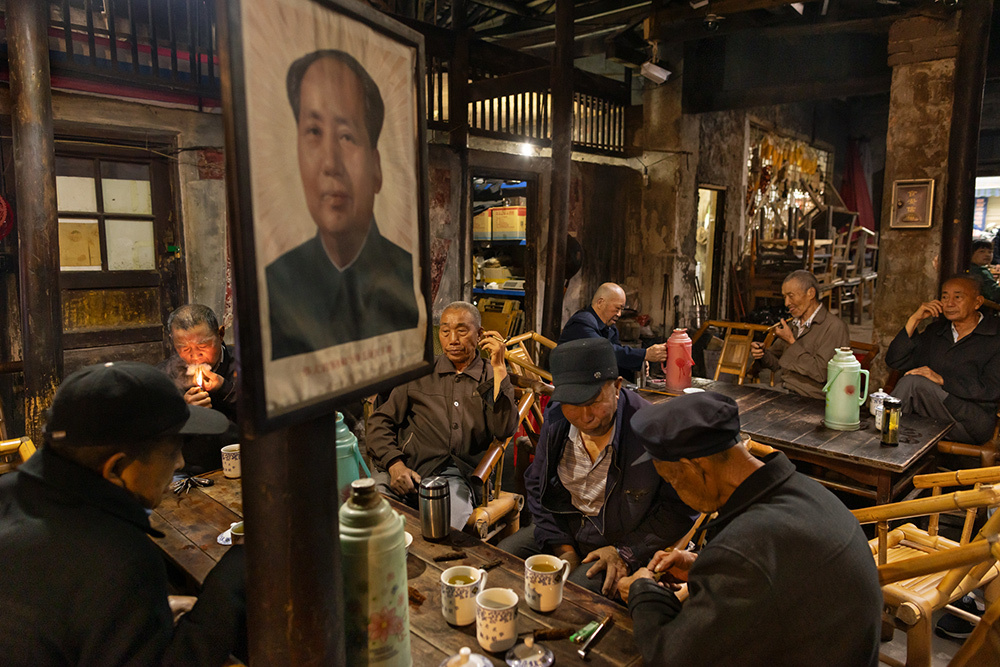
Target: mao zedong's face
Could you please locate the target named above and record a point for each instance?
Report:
(340, 168)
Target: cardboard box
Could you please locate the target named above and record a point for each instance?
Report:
(509, 222)
(482, 227)
(496, 274)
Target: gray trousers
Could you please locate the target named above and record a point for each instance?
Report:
(924, 397)
(522, 544)
(463, 499)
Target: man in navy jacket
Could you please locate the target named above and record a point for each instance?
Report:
(598, 321)
(590, 503)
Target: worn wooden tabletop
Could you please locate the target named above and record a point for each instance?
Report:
(192, 523)
(794, 424)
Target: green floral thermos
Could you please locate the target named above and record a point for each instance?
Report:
(844, 394)
(373, 559)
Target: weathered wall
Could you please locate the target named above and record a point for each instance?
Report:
(659, 251)
(722, 146)
(202, 202)
(445, 230)
(920, 107)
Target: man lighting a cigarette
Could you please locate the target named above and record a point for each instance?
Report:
(807, 343)
(590, 503)
(204, 368)
(784, 558)
(442, 423)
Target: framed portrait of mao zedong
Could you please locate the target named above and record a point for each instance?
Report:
(326, 155)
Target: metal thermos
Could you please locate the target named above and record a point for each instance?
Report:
(373, 566)
(435, 508)
(891, 409)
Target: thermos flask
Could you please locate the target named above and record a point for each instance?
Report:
(679, 362)
(373, 563)
(435, 508)
(844, 392)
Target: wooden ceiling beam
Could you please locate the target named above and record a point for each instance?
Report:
(533, 80)
(682, 11)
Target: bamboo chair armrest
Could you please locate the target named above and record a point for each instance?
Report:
(959, 477)
(959, 500)
(541, 372)
(918, 566)
(495, 453)
(536, 386)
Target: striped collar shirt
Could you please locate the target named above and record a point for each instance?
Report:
(585, 480)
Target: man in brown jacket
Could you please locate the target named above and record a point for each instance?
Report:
(807, 343)
(442, 423)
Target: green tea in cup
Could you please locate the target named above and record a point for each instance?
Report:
(543, 567)
(460, 580)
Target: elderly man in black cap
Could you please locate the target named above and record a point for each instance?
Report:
(83, 584)
(590, 503)
(786, 576)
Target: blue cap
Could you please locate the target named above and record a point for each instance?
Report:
(690, 426)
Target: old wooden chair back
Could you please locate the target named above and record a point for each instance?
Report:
(923, 571)
(737, 336)
(865, 353)
(988, 453)
(15, 452)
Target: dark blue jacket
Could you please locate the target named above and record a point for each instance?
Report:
(586, 324)
(641, 512)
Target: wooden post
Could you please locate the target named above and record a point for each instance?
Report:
(38, 232)
(562, 147)
(458, 120)
(294, 587)
(963, 148)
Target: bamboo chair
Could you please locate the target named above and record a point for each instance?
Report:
(735, 358)
(983, 645)
(499, 513)
(923, 571)
(15, 452)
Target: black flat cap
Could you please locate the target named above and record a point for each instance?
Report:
(687, 427)
(124, 401)
(580, 368)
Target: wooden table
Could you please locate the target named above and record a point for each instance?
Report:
(193, 521)
(794, 424)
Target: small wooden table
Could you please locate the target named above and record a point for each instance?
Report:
(794, 424)
(193, 521)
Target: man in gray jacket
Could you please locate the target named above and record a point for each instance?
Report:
(807, 343)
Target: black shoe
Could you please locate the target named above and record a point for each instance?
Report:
(953, 627)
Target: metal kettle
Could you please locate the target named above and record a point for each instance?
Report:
(844, 394)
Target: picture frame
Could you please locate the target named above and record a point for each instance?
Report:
(913, 204)
(326, 154)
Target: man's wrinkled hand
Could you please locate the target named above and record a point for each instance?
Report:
(929, 309)
(402, 480)
(197, 396)
(757, 350)
(211, 381)
(625, 583)
(925, 371)
(673, 563)
(656, 353)
(784, 332)
(607, 559)
(492, 342)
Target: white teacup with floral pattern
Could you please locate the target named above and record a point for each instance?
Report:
(544, 577)
(459, 587)
(496, 619)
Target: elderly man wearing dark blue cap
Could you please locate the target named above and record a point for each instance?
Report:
(590, 502)
(786, 577)
(83, 584)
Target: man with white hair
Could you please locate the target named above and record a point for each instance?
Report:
(598, 321)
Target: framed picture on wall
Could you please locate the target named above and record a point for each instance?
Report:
(326, 164)
(913, 203)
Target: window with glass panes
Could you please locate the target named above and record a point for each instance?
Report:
(106, 220)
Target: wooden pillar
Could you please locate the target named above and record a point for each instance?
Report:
(294, 592)
(35, 183)
(458, 119)
(562, 146)
(963, 148)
